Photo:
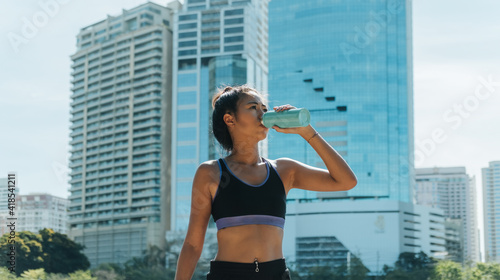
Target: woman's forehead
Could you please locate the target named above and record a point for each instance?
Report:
(253, 97)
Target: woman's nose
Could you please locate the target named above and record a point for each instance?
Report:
(261, 112)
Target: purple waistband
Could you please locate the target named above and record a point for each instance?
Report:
(249, 220)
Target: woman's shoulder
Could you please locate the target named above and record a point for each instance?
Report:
(209, 168)
(284, 166)
(282, 162)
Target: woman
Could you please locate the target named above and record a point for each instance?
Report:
(246, 194)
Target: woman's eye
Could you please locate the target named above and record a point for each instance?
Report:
(265, 110)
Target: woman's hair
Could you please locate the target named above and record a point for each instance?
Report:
(226, 101)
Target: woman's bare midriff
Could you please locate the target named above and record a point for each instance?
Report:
(245, 243)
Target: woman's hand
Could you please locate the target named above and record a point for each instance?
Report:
(306, 131)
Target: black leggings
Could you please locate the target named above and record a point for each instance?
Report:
(271, 270)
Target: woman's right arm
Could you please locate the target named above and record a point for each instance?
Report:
(201, 207)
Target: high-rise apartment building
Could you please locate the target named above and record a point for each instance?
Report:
(453, 191)
(491, 210)
(350, 64)
(37, 211)
(216, 43)
(120, 133)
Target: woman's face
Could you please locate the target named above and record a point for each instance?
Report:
(248, 124)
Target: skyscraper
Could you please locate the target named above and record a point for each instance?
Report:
(491, 204)
(120, 157)
(453, 191)
(350, 64)
(216, 43)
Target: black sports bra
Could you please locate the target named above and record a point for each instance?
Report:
(237, 203)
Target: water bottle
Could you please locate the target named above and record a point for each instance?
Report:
(289, 118)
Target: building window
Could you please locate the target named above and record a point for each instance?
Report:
(233, 12)
(233, 21)
(187, 64)
(188, 17)
(183, 26)
(233, 48)
(187, 35)
(233, 39)
(187, 44)
(131, 24)
(186, 80)
(187, 52)
(233, 30)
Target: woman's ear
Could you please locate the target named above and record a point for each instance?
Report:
(229, 119)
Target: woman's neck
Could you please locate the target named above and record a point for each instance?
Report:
(245, 159)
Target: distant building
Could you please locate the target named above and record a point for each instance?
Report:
(491, 210)
(328, 233)
(453, 191)
(41, 210)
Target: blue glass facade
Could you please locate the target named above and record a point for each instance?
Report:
(350, 64)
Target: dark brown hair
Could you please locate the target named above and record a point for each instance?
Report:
(226, 101)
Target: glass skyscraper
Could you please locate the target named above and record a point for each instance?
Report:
(216, 43)
(350, 64)
(120, 134)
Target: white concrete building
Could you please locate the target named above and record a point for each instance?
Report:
(376, 231)
(491, 210)
(453, 191)
(41, 210)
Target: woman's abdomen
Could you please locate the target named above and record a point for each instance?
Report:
(245, 243)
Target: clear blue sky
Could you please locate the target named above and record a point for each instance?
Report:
(455, 45)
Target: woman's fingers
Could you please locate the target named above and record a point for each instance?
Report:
(283, 107)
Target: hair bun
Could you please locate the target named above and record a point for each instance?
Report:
(227, 89)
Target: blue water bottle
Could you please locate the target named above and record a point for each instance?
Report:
(289, 118)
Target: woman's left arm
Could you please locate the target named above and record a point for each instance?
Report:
(338, 177)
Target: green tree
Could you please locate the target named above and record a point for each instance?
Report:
(411, 266)
(357, 270)
(81, 275)
(138, 268)
(34, 274)
(294, 272)
(447, 270)
(108, 271)
(28, 251)
(486, 271)
(5, 274)
(150, 266)
(61, 254)
(321, 273)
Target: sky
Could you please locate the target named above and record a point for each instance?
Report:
(456, 84)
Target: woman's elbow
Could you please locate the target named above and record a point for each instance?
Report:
(351, 183)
